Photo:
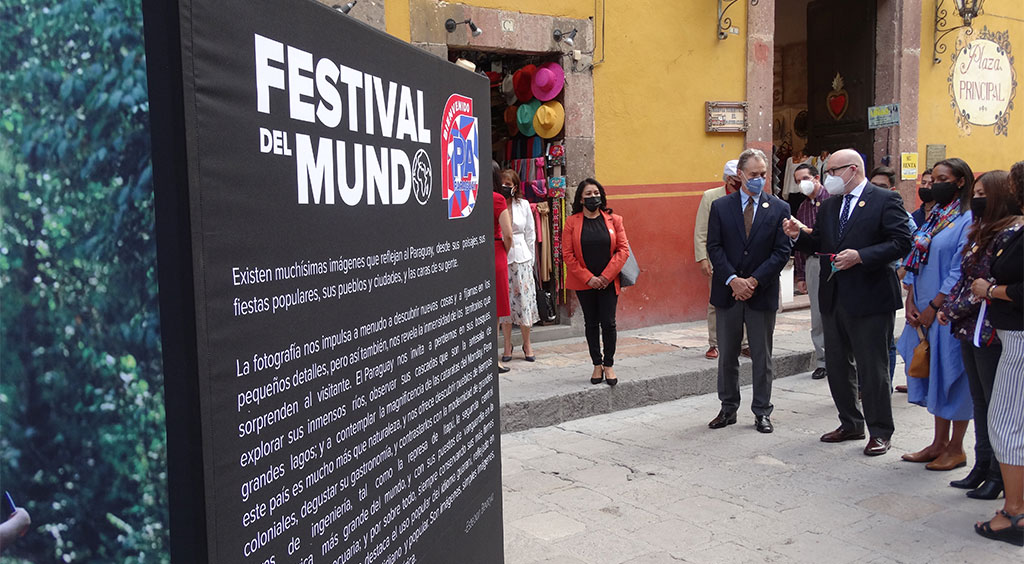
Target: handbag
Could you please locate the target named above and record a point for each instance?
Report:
(920, 362)
(630, 271)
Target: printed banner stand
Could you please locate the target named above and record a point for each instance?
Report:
(325, 235)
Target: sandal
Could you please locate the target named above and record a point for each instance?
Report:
(1014, 534)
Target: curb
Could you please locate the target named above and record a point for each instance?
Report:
(598, 400)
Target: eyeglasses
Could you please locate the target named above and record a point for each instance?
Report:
(832, 171)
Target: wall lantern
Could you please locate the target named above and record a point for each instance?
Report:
(346, 8)
(724, 25)
(450, 25)
(568, 37)
(967, 9)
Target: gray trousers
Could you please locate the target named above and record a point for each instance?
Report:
(864, 340)
(713, 326)
(812, 273)
(760, 329)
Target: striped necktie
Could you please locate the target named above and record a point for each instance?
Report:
(844, 216)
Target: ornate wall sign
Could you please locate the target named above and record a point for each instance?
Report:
(722, 117)
(983, 82)
(837, 100)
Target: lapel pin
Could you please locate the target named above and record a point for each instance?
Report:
(816, 204)
(860, 204)
(764, 205)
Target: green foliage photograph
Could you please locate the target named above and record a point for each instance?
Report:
(82, 421)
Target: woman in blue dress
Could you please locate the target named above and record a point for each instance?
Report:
(933, 267)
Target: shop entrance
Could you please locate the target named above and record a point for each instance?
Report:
(535, 149)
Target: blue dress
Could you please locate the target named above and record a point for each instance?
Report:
(945, 392)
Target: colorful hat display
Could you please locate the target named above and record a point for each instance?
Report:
(510, 120)
(524, 117)
(547, 81)
(508, 91)
(549, 119)
(522, 81)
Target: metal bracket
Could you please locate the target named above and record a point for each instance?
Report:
(942, 29)
(725, 22)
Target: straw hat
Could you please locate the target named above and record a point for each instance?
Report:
(547, 81)
(524, 117)
(468, 65)
(549, 119)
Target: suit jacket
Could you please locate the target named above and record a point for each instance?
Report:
(762, 255)
(878, 230)
(572, 252)
(700, 225)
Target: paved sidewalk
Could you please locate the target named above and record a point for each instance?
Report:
(654, 365)
(655, 485)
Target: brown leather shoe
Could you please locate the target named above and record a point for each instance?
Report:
(923, 455)
(745, 351)
(901, 389)
(712, 353)
(947, 462)
(877, 446)
(840, 435)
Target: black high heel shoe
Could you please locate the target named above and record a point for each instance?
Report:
(975, 478)
(1014, 534)
(598, 380)
(991, 489)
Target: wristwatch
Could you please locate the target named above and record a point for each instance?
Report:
(988, 293)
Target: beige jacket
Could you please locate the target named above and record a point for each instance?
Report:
(700, 226)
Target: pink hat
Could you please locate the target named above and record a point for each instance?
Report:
(548, 81)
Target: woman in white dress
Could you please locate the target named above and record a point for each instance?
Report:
(521, 286)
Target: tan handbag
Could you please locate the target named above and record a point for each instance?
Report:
(921, 360)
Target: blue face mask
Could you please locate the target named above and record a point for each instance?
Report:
(755, 185)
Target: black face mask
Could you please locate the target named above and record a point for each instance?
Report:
(977, 208)
(592, 203)
(925, 194)
(944, 192)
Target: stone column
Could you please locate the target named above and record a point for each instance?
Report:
(897, 64)
(760, 57)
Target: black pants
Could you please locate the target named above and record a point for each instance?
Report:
(863, 340)
(599, 320)
(980, 364)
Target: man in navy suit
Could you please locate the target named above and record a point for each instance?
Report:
(748, 250)
(861, 229)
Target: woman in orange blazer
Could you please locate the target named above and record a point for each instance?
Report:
(594, 247)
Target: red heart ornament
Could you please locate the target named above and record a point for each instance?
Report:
(837, 105)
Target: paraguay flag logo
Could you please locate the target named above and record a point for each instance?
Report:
(460, 156)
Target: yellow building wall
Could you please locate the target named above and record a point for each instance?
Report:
(663, 60)
(979, 146)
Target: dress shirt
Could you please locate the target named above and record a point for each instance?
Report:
(856, 192)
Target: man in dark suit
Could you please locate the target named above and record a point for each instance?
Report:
(748, 250)
(861, 230)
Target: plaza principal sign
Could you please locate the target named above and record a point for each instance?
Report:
(983, 81)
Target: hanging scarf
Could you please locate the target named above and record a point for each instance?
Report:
(937, 221)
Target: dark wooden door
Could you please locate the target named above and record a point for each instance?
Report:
(840, 49)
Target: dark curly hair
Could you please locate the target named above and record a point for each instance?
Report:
(577, 200)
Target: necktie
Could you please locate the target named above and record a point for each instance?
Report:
(748, 215)
(844, 215)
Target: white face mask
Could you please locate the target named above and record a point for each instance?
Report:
(806, 187)
(835, 184)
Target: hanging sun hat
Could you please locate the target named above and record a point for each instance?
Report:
(521, 82)
(547, 81)
(524, 117)
(548, 119)
(494, 77)
(510, 120)
(468, 65)
(508, 91)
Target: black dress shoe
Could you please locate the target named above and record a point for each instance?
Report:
(989, 490)
(722, 419)
(840, 435)
(974, 479)
(763, 424)
(818, 374)
(877, 446)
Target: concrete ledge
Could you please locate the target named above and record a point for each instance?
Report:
(636, 390)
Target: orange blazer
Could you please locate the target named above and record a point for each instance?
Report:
(572, 253)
